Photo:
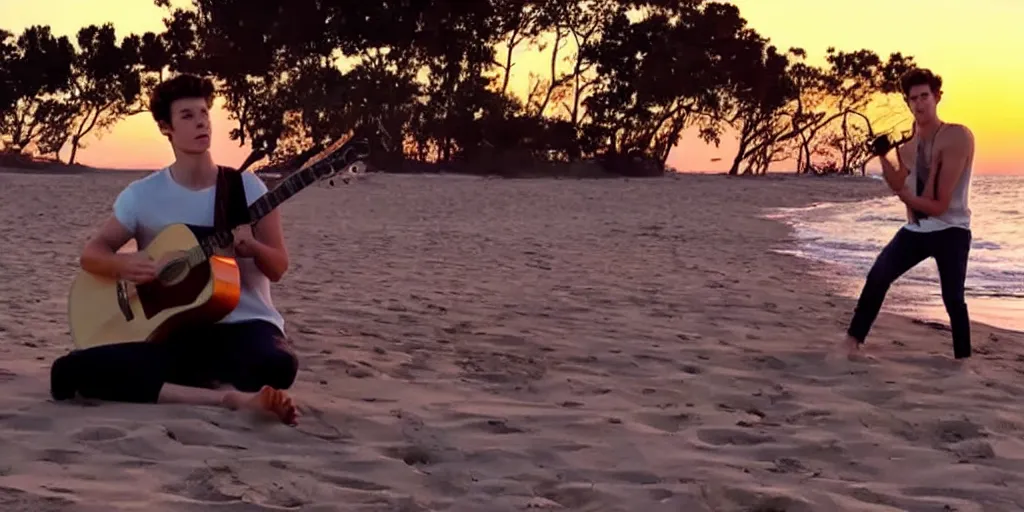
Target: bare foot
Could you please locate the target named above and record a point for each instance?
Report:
(267, 400)
(966, 366)
(850, 349)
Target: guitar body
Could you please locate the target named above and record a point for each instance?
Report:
(104, 311)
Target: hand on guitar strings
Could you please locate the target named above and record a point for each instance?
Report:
(244, 242)
(137, 267)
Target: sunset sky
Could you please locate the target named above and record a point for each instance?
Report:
(975, 49)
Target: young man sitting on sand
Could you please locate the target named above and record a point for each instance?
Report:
(940, 157)
(242, 361)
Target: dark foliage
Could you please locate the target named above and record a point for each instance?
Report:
(626, 80)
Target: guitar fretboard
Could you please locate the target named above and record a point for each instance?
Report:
(288, 187)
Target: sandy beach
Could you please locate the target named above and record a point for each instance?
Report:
(491, 345)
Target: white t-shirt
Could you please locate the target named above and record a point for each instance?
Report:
(148, 205)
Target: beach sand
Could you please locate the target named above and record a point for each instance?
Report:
(491, 345)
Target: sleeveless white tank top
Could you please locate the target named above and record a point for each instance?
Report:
(958, 214)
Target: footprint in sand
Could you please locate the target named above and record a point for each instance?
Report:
(936, 364)
(7, 375)
(671, 423)
(809, 417)
(60, 456)
(692, 369)
(953, 431)
(724, 436)
(572, 496)
(222, 484)
(204, 485)
(741, 498)
(972, 449)
(348, 482)
(412, 455)
(636, 477)
(788, 465)
(766, 362)
(98, 434)
(27, 422)
(941, 434)
(498, 426)
(16, 499)
(876, 397)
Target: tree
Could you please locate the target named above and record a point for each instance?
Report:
(519, 21)
(257, 50)
(849, 84)
(760, 87)
(8, 56)
(105, 84)
(662, 73)
(39, 66)
(629, 90)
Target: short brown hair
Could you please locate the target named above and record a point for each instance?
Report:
(179, 87)
(920, 76)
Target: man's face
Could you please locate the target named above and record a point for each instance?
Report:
(190, 125)
(922, 102)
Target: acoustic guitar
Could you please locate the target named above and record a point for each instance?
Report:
(194, 285)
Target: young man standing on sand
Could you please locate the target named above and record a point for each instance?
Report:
(242, 361)
(941, 157)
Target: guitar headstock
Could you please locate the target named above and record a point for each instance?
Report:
(883, 143)
(345, 160)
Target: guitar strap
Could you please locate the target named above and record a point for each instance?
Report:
(231, 208)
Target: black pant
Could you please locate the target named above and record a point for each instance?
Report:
(950, 248)
(246, 355)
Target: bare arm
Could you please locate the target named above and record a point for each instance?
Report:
(896, 178)
(266, 243)
(99, 256)
(956, 151)
(902, 174)
(270, 253)
(891, 172)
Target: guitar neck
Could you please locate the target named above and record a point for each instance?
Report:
(342, 154)
(281, 193)
(258, 209)
(337, 156)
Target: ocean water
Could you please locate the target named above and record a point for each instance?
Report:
(850, 236)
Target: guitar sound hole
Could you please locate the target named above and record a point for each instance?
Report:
(173, 272)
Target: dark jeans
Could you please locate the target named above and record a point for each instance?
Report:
(950, 248)
(246, 355)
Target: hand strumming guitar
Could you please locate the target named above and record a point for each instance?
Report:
(137, 267)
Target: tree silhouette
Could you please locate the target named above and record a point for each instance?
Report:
(105, 84)
(624, 80)
(39, 65)
(8, 55)
(757, 96)
(664, 72)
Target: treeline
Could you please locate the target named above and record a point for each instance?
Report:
(624, 80)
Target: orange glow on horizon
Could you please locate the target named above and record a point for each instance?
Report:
(975, 49)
